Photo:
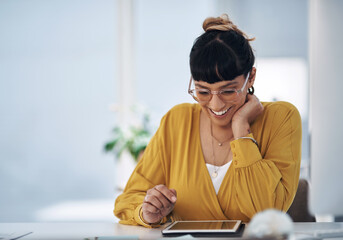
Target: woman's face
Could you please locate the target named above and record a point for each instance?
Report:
(221, 112)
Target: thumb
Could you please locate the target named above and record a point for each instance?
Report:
(173, 191)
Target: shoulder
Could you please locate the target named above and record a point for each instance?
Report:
(183, 110)
(278, 115)
(280, 121)
(280, 109)
(181, 116)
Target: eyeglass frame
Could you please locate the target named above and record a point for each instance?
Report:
(191, 91)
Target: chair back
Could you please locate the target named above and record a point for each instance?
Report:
(299, 210)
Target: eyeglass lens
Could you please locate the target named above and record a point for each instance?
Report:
(204, 95)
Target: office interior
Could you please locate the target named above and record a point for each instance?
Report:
(72, 70)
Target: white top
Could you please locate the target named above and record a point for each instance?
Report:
(221, 170)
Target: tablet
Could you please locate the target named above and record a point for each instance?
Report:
(190, 227)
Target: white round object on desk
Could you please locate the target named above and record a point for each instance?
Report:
(270, 223)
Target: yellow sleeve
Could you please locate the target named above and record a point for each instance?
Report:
(149, 172)
(270, 179)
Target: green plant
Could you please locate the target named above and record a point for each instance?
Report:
(134, 139)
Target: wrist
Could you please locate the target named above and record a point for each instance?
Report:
(141, 217)
(240, 129)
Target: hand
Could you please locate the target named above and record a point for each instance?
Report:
(158, 203)
(245, 115)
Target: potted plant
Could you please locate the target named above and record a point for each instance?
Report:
(128, 144)
(134, 139)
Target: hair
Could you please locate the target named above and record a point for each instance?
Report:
(222, 53)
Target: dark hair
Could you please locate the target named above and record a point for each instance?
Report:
(221, 53)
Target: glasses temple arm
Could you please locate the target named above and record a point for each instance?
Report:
(245, 83)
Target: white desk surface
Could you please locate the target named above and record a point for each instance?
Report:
(90, 230)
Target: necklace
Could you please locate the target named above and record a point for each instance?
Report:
(220, 143)
(215, 172)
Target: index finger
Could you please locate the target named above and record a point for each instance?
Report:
(251, 96)
(166, 192)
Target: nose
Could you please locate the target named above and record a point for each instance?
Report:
(216, 103)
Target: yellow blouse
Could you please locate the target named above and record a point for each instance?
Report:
(258, 178)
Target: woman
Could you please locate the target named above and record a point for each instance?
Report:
(227, 157)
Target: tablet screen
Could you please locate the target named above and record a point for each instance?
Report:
(203, 226)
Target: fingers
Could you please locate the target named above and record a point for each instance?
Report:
(158, 203)
(252, 97)
(148, 207)
(167, 193)
(255, 108)
(256, 101)
(159, 197)
(154, 201)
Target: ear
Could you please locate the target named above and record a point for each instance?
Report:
(252, 77)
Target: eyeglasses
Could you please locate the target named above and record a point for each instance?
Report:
(226, 95)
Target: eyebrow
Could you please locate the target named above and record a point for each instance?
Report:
(224, 86)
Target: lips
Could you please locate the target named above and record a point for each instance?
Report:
(220, 113)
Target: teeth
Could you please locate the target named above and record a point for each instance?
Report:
(220, 113)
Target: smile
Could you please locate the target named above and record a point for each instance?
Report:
(221, 113)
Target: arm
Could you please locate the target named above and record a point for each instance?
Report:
(134, 204)
(267, 177)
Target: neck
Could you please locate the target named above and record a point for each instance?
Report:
(220, 133)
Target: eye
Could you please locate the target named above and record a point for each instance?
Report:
(203, 92)
(227, 92)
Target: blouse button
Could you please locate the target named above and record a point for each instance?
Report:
(235, 162)
(234, 154)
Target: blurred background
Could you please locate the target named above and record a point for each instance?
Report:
(72, 70)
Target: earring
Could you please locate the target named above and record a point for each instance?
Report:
(251, 90)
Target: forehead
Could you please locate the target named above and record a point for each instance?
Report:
(222, 84)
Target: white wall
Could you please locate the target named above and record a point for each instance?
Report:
(57, 78)
(326, 116)
(280, 27)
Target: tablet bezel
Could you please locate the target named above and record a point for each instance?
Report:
(167, 230)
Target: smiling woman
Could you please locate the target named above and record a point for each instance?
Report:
(227, 157)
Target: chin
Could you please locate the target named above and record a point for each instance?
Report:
(221, 121)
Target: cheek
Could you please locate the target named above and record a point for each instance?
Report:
(205, 109)
(240, 102)
(203, 106)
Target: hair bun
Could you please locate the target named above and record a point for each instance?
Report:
(222, 23)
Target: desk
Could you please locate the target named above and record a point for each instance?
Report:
(79, 231)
